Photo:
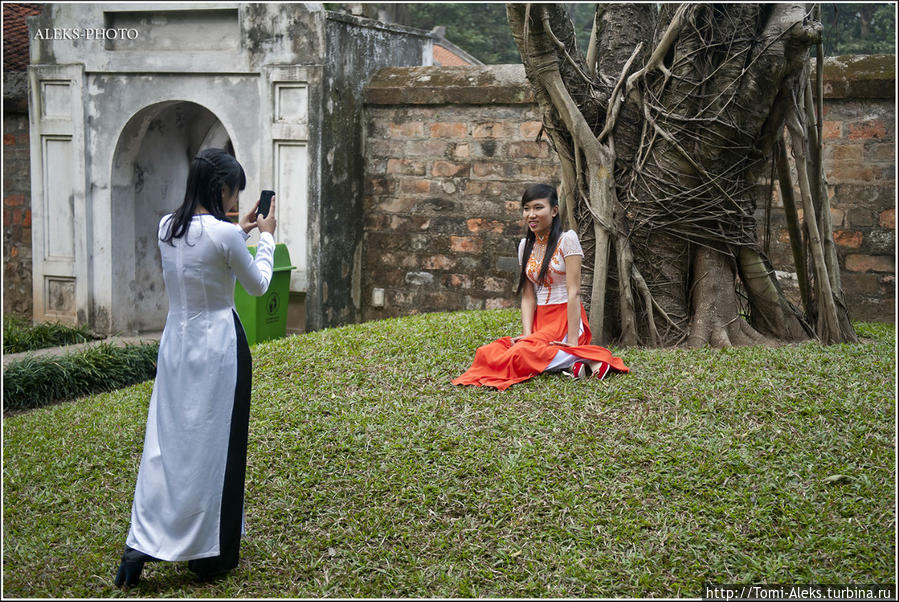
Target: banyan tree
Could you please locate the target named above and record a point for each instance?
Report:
(665, 126)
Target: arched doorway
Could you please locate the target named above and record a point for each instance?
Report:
(149, 172)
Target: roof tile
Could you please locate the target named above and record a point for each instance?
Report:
(15, 35)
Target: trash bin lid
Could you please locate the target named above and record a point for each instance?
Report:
(281, 260)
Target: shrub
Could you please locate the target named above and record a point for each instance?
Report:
(36, 381)
(20, 335)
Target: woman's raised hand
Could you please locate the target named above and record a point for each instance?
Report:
(248, 221)
(267, 223)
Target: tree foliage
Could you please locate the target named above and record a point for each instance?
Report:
(859, 28)
(478, 28)
(481, 28)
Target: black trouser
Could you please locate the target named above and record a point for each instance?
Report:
(235, 468)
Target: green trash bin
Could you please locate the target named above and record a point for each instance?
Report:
(265, 317)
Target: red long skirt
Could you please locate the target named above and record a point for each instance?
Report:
(501, 364)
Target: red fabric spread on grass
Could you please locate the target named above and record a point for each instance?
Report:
(501, 364)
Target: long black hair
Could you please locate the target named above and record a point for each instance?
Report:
(210, 172)
(540, 191)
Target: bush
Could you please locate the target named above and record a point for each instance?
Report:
(37, 381)
(20, 335)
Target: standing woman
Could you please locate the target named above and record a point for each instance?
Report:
(188, 502)
(551, 312)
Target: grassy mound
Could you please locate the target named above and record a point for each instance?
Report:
(370, 475)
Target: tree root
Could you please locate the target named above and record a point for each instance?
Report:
(716, 319)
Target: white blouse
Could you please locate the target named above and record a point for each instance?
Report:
(554, 289)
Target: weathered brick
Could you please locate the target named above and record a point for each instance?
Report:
(412, 223)
(495, 285)
(498, 303)
(376, 186)
(436, 205)
(861, 283)
(419, 278)
(530, 129)
(540, 171)
(858, 172)
(488, 149)
(477, 224)
(837, 216)
(507, 264)
(473, 303)
(459, 281)
(461, 151)
(405, 167)
(447, 169)
(483, 169)
(9, 139)
(26, 220)
(465, 244)
(397, 204)
(437, 262)
(879, 242)
(880, 152)
(406, 129)
(426, 148)
(848, 238)
(887, 219)
(538, 150)
(403, 298)
(376, 221)
(848, 152)
(449, 130)
(869, 263)
(861, 216)
(386, 148)
(415, 186)
(873, 128)
(493, 129)
(448, 299)
(14, 200)
(832, 129)
(473, 187)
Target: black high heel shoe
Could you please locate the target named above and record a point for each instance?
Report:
(131, 567)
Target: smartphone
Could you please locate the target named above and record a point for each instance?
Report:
(265, 202)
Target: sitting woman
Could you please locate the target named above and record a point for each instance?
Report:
(551, 312)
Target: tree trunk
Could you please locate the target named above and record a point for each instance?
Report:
(663, 133)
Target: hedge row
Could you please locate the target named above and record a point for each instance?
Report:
(20, 335)
(36, 381)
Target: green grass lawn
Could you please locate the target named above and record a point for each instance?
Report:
(370, 475)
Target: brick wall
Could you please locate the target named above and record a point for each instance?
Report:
(17, 295)
(860, 162)
(17, 292)
(450, 150)
(443, 187)
(859, 165)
